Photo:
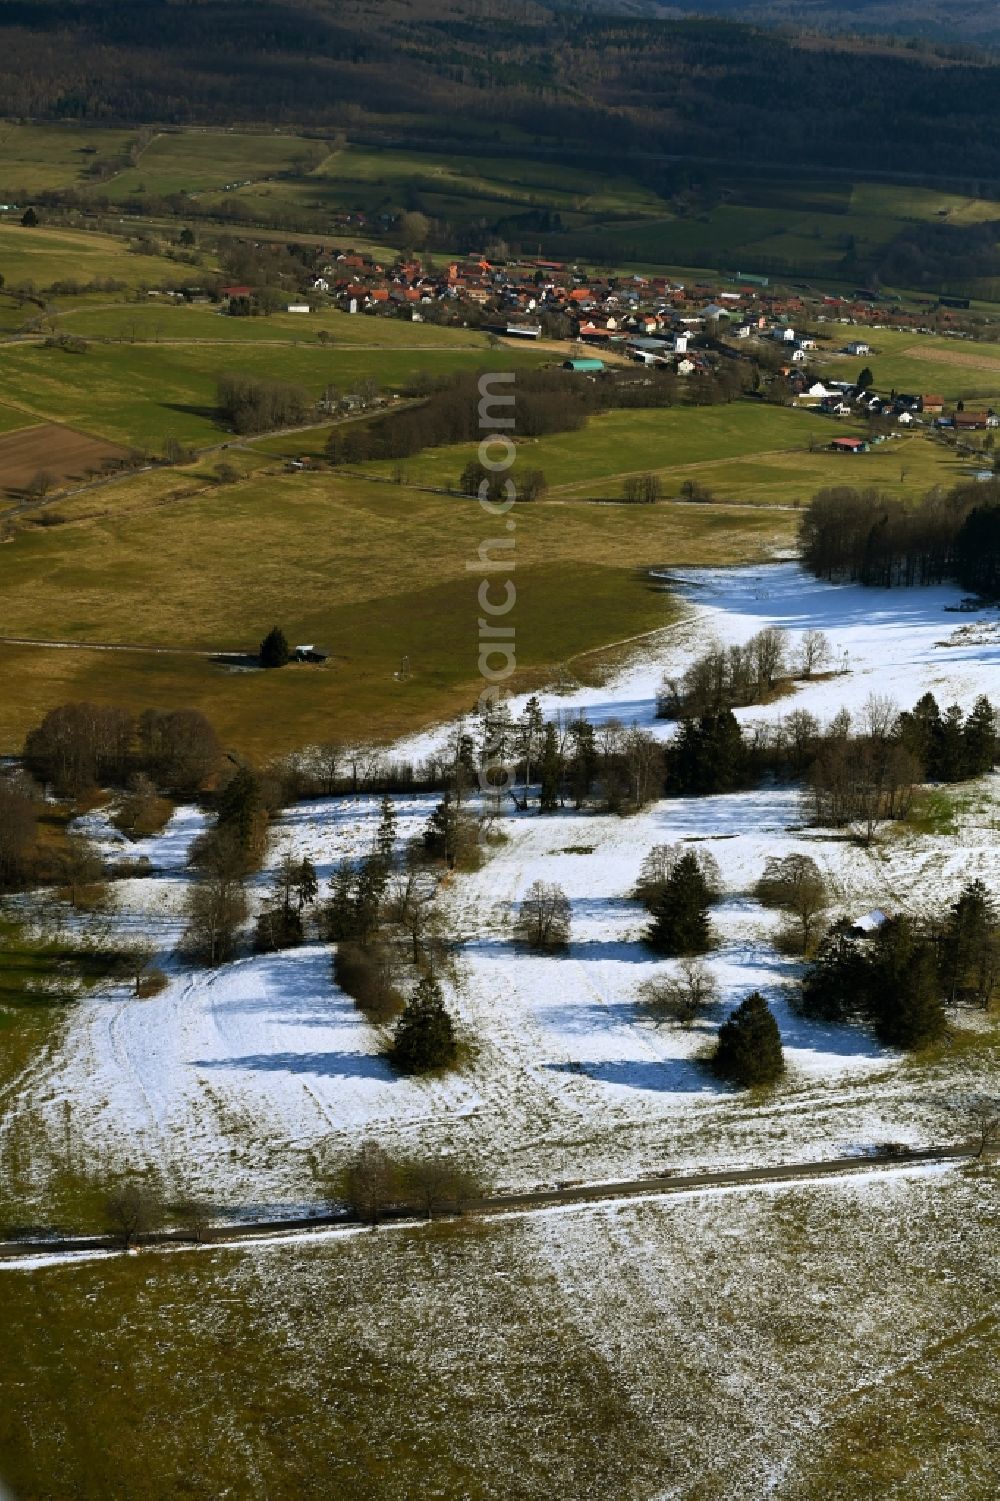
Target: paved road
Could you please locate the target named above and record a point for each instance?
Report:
(533, 1200)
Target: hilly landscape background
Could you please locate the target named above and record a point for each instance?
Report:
(548, 79)
(977, 22)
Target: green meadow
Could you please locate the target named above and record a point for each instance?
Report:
(40, 257)
(158, 320)
(36, 157)
(922, 363)
(373, 572)
(141, 393)
(591, 461)
(200, 161)
(11, 418)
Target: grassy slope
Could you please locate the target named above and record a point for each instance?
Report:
(371, 571)
(140, 393)
(163, 321)
(46, 255)
(588, 461)
(905, 467)
(383, 1366)
(35, 157)
(200, 161)
(921, 363)
(11, 418)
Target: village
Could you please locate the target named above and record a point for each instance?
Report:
(798, 340)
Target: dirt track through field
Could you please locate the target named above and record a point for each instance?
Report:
(531, 1201)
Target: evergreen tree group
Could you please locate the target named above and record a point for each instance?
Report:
(708, 755)
(280, 923)
(890, 982)
(969, 947)
(950, 747)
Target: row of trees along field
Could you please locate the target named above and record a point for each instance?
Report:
(732, 677)
(858, 770)
(547, 401)
(878, 540)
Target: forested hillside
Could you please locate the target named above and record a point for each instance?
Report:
(977, 22)
(546, 78)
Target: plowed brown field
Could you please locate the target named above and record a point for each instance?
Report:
(60, 452)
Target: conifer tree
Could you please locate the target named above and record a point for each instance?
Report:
(980, 738)
(497, 739)
(903, 991)
(707, 755)
(274, 649)
(834, 984)
(424, 1038)
(919, 730)
(385, 834)
(462, 771)
(583, 760)
(450, 833)
(338, 919)
(307, 885)
(970, 946)
(680, 914)
(551, 771)
(369, 896)
(530, 728)
(950, 759)
(242, 814)
(749, 1049)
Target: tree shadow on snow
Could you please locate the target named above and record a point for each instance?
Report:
(671, 1076)
(322, 1065)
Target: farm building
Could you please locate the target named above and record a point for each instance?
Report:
(849, 445)
(974, 421)
(584, 365)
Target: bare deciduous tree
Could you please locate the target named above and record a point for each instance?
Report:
(369, 1183)
(132, 1209)
(795, 884)
(437, 1185)
(814, 652)
(982, 1112)
(327, 760)
(543, 920)
(216, 909)
(680, 995)
(194, 1216)
(412, 906)
(658, 867)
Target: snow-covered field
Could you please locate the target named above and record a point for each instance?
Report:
(236, 1081)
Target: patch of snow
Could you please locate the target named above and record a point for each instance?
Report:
(238, 1082)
